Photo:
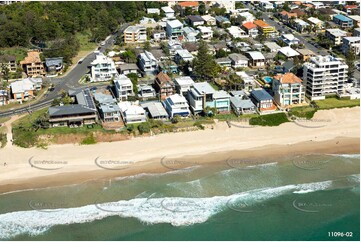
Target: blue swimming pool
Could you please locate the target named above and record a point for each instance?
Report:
(267, 79)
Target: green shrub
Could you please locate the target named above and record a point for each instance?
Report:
(144, 128)
(3, 140)
(269, 120)
(89, 140)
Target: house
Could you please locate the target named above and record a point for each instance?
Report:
(132, 113)
(195, 20)
(350, 8)
(109, 110)
(356, 32)
(263, 100)
(4, 97)
(306, 54)
(174, 29)
(123, 87)
(221, 21)
(265, 29)
(315, 22)
(351, 44)
(183, 84)
(224, 62)
(272, 46)
(147, 62)
(255, 59)
(300, 13)
(355, 19)
(209, 20)
(148, 22)
(155, 110)
(164, 85)
(324, 75)
(75, 115)
(192, 47)
(173, 46)
(82, 97)
(23, 90)
(153, 11)
(288, 89)
(238, 60)
(32, 64)
(159, 35)
(54, 65)
(183, 55)
(266, 6)
(247, 16)
(190, 34)
(335, 35)
(102, 68)
(9, 61)
(251, 29)
(203, 95)
(237, 32)
(135, 34)
(288, 52)
(146, 91)
(289, 39)
(126, 69)
(317, 5)
(242, 106)
(229, 5)
(287, 16)
(168, 11)
(168, 66)
(189, 4)
(176, 105)
(248, 81)
(342, 21)
(300, 25)
(206, 33)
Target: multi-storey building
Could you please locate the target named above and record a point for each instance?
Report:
(351, 44)
(265, 28)
(32, 64)
(324, 75)
(147, 62)
(176, 105)
(174, 29)
(102, 68)
(288, 89)
(135, 34)
(342, 21)
(123, 87)
(9, 61)
(335, 35)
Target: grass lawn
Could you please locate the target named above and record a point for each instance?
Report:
(269, 120)
(329, 103)
(303, 112)
(19, 52)
(85, 44)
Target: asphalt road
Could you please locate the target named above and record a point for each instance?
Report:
(69, 81)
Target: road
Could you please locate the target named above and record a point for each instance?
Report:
(69, 81)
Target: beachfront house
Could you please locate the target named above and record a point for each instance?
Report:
(75, 115)
(176, 105)
(155, 110)
(164, 85)
(108, 108)
(132, 113)
(242, 106)
(203, 95)
(263, 100)
(146, 92)
(288, 89)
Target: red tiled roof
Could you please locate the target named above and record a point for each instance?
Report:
(288, 78)
(249, 25)
(188, 4)
(350, 6)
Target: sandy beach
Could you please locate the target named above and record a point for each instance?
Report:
(331, 131)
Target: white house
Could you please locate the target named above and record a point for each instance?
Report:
(300, 25)
(183, 84)
(335, 35)
(183, 55)
(288, 52)
(153, 11)
(206, 32)
(147, 62)
(123, 87)
(248, 16)
(238, 60)
(102, 68)
(176, 105)
(316, 22)
(248, 81)
(168, 11)
(273, 46)
(351, 44)
(289, 39)
(237, 32)
(190, 34)
(24, 89)
(132, 113)
(209, 20)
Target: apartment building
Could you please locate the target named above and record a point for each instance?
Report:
(135, 34)
(102, 68)
(32, 64)
(342, 21)
(324, 75)
(351, 44)
(288, 89)
(265, 28)
(9, 61)
(335, 35)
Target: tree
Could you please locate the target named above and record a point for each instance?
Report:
(129, 56)
(5, 71)
(147, 46)
(350, 61)
(204, 64)
(202, 8)
(176, 119)
(134, 78)
(221, 53)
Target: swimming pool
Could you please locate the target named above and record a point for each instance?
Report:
(267, 79)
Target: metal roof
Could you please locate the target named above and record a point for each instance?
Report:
(261, 95)
(69, 110)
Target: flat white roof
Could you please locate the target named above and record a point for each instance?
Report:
(315, 20)
(167, 9)
(337, 32)
(184, 80)
(174, 23)
(256, 55)
(288, 51)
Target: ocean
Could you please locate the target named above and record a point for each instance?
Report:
(313, 197)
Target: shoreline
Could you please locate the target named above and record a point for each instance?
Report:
(73, 164)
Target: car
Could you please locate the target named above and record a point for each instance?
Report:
(358, 66)
(81, 61)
